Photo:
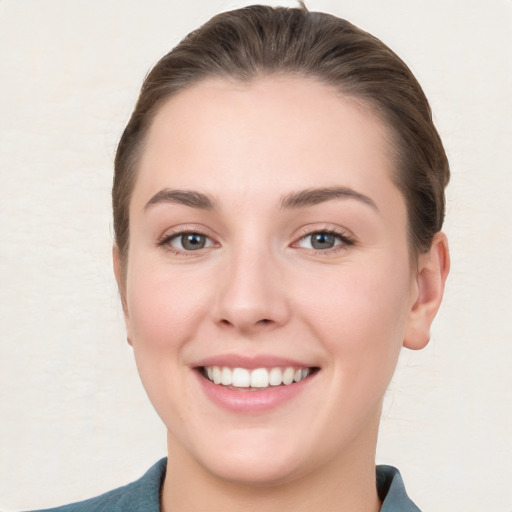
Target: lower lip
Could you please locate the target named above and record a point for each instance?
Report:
(251, 401)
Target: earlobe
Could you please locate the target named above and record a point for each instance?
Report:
(433, 268)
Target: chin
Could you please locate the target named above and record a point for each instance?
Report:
(253, 457)
(257, 471)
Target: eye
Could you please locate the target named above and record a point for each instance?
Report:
(188, 241)
(323, 240)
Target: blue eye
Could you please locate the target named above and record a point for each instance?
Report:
(190, 241)
(323, 240)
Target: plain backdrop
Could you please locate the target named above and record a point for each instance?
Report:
(74, 420)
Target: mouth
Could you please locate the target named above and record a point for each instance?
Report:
(245, 379)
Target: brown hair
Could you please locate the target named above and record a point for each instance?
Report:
(258, 41)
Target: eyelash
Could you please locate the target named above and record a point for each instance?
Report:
(165, 242)
(344, 239)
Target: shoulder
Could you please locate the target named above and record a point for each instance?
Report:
(143, 495)
(391, 491)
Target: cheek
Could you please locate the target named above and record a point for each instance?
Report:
(163, 307)
(360, 314)
(164, 312)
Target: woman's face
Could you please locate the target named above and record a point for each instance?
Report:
(267, 243)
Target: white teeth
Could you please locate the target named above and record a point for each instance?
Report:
(241, 378)
(216, 374)
(288, 375)
(258, 378)
(226, 378)
(275, 377)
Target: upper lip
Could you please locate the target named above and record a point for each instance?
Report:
(250, 362)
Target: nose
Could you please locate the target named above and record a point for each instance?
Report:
(252, 294)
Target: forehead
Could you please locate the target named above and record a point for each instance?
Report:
(269, 133)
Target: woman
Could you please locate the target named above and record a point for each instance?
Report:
(278, 201)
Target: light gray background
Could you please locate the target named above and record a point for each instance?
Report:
(74, 420)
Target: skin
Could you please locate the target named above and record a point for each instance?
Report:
(258, 287)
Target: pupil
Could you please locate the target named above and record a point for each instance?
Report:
(193, 241)
(322, 241)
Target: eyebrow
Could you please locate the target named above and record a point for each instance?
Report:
(314, 196)
(185, 197)
(299, 199)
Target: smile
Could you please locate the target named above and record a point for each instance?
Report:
(258, 378)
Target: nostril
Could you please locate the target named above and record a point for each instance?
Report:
(226, 323)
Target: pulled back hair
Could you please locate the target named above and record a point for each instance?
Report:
(258, 41)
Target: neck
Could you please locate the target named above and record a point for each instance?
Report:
(346, 483)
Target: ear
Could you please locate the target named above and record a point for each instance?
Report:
(431, 273)
(121, 286)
